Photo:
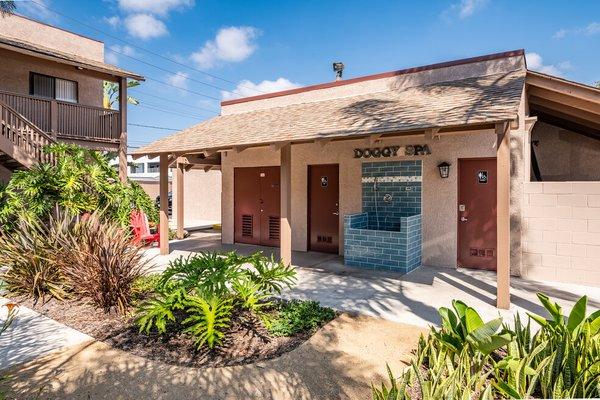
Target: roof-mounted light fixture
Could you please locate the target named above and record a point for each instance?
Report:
(338, 68)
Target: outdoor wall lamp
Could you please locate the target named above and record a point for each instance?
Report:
(444, 169)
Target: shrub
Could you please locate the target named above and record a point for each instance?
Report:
(81, 181)
(101, 262)
(145, 286)
(207, 289)
(29, 253)
(300, 316)
(561, 360)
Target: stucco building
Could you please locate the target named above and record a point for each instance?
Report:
(51, 89)
(477, 163)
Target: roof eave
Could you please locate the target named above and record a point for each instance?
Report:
(50, 57)
(408, 132)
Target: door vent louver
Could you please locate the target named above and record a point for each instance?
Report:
(273, 228)
(247, 225)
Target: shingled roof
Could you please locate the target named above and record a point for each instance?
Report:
(473, 101)
(36, 50)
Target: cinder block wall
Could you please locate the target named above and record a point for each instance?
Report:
(561, 231)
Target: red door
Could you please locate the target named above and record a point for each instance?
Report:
(323, 208)
(269, 205)
(477, 213)
(256, 205)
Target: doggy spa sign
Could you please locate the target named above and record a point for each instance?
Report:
(392, 151)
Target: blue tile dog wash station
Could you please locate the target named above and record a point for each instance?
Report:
(387, 234)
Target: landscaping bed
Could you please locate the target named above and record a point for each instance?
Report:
(247, 341)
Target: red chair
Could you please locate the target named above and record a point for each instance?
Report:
(141, 229)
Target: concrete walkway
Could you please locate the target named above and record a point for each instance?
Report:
(412, 299)
(339, 362)
(32, 335)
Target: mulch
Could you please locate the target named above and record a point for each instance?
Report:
(247, 341)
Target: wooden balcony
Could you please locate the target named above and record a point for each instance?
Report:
(66, 120)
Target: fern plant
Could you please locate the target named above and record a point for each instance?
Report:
(215, 286)
(157, 312)
(208, 272)
(209, 318)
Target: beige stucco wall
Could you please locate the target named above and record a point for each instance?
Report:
(201, 195)
(561, 232)
(377, 85)
(439, 196)
(51, 37)
(15, 69)
(564, 155)
(151, 187)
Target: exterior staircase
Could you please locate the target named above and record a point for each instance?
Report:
(21, 141)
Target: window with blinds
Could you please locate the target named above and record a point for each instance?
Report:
(66, 90)
(53, 88)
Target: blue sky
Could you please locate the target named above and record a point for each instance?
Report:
(252, 47)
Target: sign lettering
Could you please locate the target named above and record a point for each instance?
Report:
(392, 151)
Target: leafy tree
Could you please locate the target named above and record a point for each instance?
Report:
(111, 93)
(81, 181)
(7, 7)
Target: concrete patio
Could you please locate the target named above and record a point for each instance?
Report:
(412, 298)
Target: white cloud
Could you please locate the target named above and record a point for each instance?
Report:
(145, 26)
(231, 44)
(248, 88)
(157, 7)
(38, 9)
(590, 29)
(113, 21)
(464, 9)
(536, 63)
(180, 80)
(114, 51)
(561, 33)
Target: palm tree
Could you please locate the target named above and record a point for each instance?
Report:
(111, 93)
(7, 7)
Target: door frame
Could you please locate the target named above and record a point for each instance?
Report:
(308, 205)
(456, 220)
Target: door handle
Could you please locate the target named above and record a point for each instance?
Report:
(463, 219)
(336, 213)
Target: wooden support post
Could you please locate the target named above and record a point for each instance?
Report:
(285, 228)
(503, 216)
(123, 126)
(163, 182)
(179, 189)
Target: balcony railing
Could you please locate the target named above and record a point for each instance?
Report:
(64, 119)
